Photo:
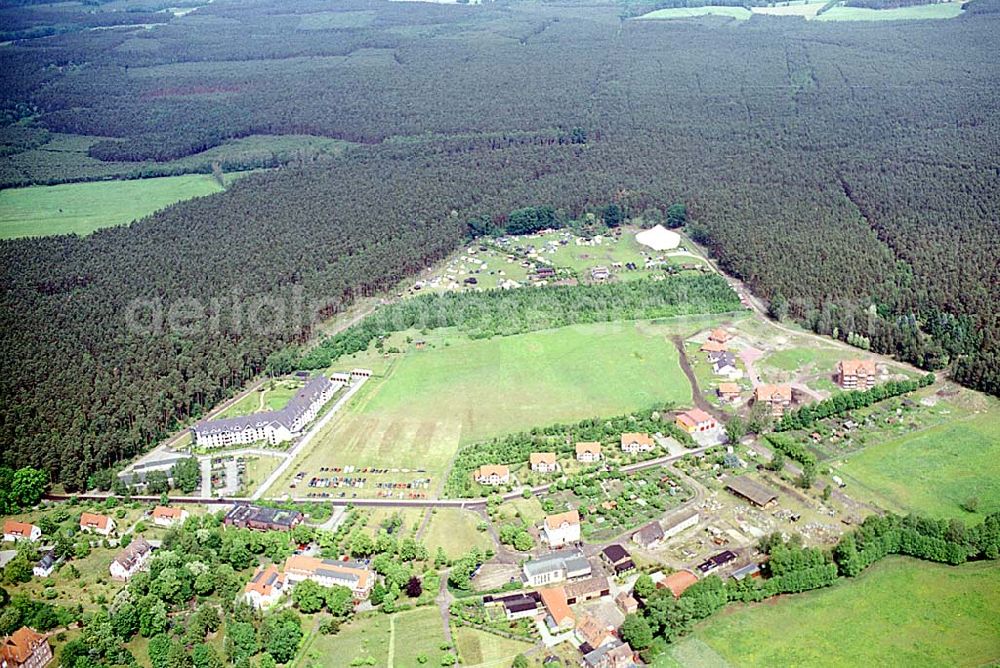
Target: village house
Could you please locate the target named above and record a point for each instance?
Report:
(516, 606)
(857, 374)
(634, 443)
(559, 616)
(680, 521)
(618, 558)
(492, 475)
(649, 536)
(613, 655)
(696, 420)
(246, 516)
(132, 559)
(592, 633)
(329, 572)
(582, 591)
(14, 531)
(724, 364)
(752, 491)
(556, 567)
(778, 397)
(562, 528)
(92, 522)
(729, 391)
(271, 427)
(713, 347)
(265, 587)
(543, 462)
(678, 582)
(166, 516)
(588, 452)
(719, 336)
(44, 567)
(626, 603)
(25, 648)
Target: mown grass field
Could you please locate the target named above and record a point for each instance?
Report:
(900, 612)
(934, 470)
(739, 13)
(481, 649)
(265, 399)
(454, 530)
(383, 640)
(457, 390)
(943, 10)
(82, 208)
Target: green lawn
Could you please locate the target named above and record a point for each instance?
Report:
(457, 390)
(481, 649)
(818, 360)
(934, 470)
(691, 12)
(455, 531)
(901, 612)
(944, 10)
(274, 398)
(396, 640)
(81, 208)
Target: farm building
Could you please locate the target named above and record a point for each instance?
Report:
(492, 475)
(752, 491)
(857, 374)
(648, 536)
(559, 616)
(695, 420)
(543, 462)
(587, 590)
(680, 521)
(588, 453)
(633, 442)
(779, 397)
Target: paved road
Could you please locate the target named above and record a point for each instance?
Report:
(307, 438)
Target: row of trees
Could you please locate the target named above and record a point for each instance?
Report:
(842, 402)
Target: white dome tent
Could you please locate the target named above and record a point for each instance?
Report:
(659, 238)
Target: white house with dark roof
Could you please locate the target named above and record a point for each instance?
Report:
(132, 559)
(272, 427)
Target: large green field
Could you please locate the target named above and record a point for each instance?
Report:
(410, 638)
(901, 612)
(457, 390)
(482, 650)
(934, 470)
(943, 10)
(81, 208)
(454, 530)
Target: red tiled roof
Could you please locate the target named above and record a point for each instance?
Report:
(20, 645)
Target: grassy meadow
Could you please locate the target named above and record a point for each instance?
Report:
(934, 470)
(267, 398)
(479, 649)
(943, 10)
(900, 612)
(82, 208)
(457, 390)
(454, 530)
(401, 639)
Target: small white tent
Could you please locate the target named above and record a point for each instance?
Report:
(659, 238)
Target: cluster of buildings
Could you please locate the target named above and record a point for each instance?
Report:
(271, 427)
(269, 583)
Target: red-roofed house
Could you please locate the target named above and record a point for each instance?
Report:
(95, 523)
(857, 374)
(633, 443)
(713, 347)
(492, 474)
(14, 531)
(696, 420)
(593, 632)
(729, 391)
(558, 609)
(562, 528)
(778, 397)
(719, 336)
(265, 587)
(588, 453)
(543, 462)
(166, 516)
(25, 648)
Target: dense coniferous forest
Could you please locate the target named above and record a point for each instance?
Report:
(846, 171)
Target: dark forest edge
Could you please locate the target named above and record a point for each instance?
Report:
(791, 568)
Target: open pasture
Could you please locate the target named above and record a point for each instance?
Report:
(456, 390)
(943, 10)
(454, 530)
(82, 208)
(935, 470)
(900, 612)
